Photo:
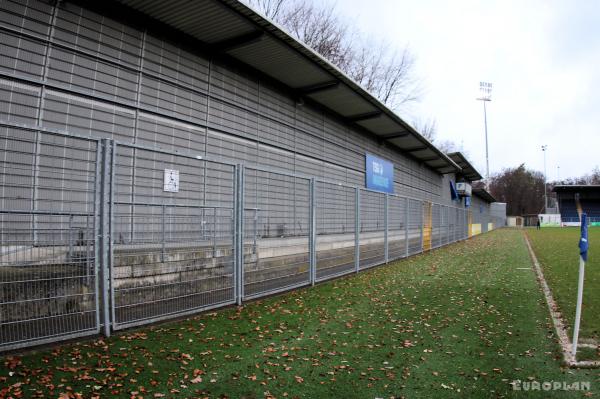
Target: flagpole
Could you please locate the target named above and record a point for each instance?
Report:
(579, 301)
(583, 248)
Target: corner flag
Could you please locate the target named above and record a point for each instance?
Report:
(583, 241)
(583, 250)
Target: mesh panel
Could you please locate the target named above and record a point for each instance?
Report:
(372, 228)
(282, 257)
(172, 251)
(397, 227)
(47, 238)
(336, 208)
(415, 226)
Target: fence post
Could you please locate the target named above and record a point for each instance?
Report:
(162, 233)
(111, 214)
(255, 230)
(70, 238)
(356, 229)
(406, 218)
(423, 223)
(238, 274)
(105, 234)
(312, 232)
(386, 224)
(98, 199)
(234, 232)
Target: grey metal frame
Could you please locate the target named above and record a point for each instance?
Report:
(183, 282)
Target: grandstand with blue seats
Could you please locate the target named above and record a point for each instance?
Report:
(571, 197)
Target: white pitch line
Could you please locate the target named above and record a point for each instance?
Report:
(559, 326)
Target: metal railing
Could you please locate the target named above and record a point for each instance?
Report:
(91, 240)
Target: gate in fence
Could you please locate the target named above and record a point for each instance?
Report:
(172, 248)
(97, 236)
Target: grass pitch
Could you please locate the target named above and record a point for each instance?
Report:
(461, 321)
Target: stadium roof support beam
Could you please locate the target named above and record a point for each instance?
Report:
(365, 116)
(415, 149)
(395, 135)
(319, 87)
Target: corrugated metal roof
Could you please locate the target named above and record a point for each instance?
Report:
(484, 195)
(339, 99)
(274, 58)
(208, 21)
(468, 171)
(248, 37)
(577, 187)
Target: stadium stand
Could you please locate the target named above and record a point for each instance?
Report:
(589, 200)
(568, 210)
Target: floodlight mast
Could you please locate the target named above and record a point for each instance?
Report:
(485, 89)
(544, 148)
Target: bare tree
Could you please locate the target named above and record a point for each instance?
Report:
(270, 8)
(592, 178)
(447, 146)
(322, 30)
(522, 189)
(427, 128)
(387, 73)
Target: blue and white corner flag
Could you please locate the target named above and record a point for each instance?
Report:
(583, 241)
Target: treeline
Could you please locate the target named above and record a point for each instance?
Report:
(523, 189)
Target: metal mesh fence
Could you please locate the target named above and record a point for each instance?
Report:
(415, 226)
(335, 229)
(48, 230)
(436, 219)
(282, 257)
(397, 227)
(98, 234)
(442, 226)
(372, 228)
(172, 247)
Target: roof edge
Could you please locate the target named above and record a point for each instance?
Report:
(284, 35)
(484, 195)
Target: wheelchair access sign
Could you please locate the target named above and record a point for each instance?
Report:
(171, 182)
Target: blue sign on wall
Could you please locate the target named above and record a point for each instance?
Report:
(380, 174)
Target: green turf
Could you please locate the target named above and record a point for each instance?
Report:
(462, 321)
(558, 253)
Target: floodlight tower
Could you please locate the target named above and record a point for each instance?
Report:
(544, 148)
(485, 89)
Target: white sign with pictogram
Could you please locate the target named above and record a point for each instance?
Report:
(171, 181)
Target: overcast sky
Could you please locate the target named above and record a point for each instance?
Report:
(542, 57)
